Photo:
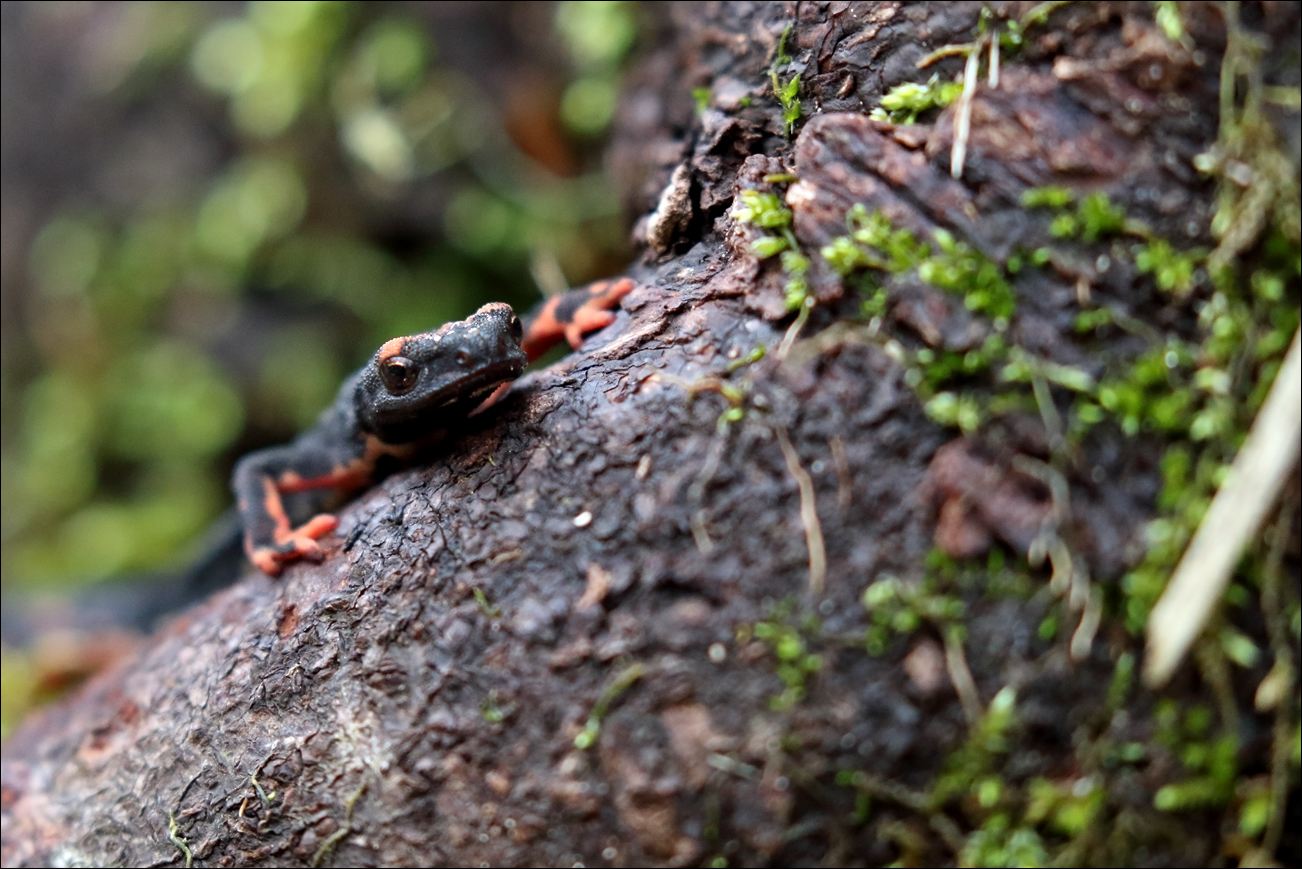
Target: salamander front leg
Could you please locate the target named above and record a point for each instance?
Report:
(260, 481)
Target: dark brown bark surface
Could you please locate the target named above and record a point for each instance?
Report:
(601, 546)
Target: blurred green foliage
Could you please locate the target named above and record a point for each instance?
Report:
(363, 183)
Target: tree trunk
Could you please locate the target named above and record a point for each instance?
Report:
(674, 603)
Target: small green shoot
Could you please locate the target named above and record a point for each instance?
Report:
(948, 409)
(174, 834)
(1067, 807)
(265, 797)
(592, 729)
(1099, 217)
(493, 711)
(785, 93)
(701, 96)
(996, 844)
(1094, 218)
(1219, 759)
(749, 359)
(1167, 15)
(485, 605)
(344, 830)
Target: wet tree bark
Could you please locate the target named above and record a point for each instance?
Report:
(620, 621)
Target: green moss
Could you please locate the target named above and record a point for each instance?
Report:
(796, 267)
(1255, 814)
(795, 663)
(903, 103)
(1095, 217)
(1099, 217)
(1066, 808)
(1048, 197)
(896, 608)
(994, 844)
(1123, 679)
(1093, 320)
(767, 211)
(1219, 760)
(969, 769)
(1193, 393)
(1188, 392)
(963, 411)
(764, 210)
(872, 243)
(1172, 270)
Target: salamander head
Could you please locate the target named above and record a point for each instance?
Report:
(417, 384)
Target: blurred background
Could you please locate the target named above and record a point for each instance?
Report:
(212, 212)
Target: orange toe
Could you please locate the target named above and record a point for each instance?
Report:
(266, 561)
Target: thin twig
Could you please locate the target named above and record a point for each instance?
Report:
(1039, 13)
(844, 478)
(1083, 638)
(994, 61)
(696, 493)
(808, 513)
(1048, 410)
(954, 48)
(1275, 609)
(963, 113)
(794, 330)
(1214, 670)
(1236, 513)
(961, 676)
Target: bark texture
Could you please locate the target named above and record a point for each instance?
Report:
(593, 559)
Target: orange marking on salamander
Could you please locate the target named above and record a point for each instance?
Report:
(593, 314)
(391, 348)
(271, 503)
(543, 331)
(355, 474)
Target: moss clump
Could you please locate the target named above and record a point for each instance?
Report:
(903, 103)
(1195, 393)
(795, 662)
(952, 265)
(898, 608)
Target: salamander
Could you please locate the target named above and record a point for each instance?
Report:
(401, 402)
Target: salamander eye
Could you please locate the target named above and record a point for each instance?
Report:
(398, 373)
(517, 329)
(462, 358)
